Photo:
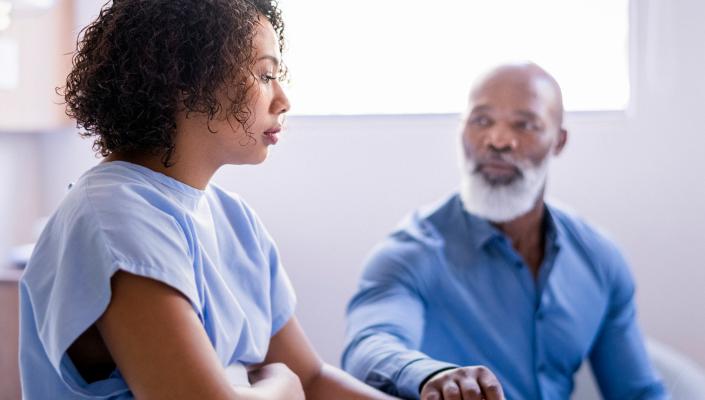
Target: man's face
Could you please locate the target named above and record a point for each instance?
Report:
(512, 121)
(511, 129)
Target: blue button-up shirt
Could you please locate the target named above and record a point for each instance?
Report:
(447, 289)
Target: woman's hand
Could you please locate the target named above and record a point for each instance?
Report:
(279, 380)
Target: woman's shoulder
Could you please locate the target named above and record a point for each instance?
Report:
(119, 204)
(113, 218)
(129, 184)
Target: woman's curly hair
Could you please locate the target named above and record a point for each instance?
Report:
(142, 61)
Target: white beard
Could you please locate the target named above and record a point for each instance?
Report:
(501, 202)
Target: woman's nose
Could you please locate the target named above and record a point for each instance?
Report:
(280, 102)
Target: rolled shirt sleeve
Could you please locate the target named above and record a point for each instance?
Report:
(385, 327)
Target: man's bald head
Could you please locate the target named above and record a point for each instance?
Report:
(523, 77)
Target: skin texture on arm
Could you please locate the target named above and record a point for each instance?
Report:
(320, 381)
(163, 352)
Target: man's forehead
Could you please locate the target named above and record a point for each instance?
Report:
(520, 90)
(522, 102)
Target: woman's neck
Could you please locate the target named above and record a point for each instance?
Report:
(188, 171)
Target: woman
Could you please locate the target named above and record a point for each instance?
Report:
(149, 281)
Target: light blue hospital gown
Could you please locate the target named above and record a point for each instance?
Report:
(209, 245)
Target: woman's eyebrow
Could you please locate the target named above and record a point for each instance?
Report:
(274, 59)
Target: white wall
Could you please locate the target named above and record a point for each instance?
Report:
(335, 186)
(20, 198)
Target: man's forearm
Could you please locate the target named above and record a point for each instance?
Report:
(383, 361)
(332, 383)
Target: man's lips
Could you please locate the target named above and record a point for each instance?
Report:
(497, 167)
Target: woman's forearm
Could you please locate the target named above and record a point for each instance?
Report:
(261, 392)
(271, 382)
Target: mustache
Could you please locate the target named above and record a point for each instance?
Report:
(498, 160)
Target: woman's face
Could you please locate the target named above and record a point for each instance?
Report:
(267, 104)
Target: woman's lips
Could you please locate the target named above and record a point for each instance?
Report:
(272, 136)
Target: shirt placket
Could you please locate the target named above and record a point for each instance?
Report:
(540, 300)
(543, 303)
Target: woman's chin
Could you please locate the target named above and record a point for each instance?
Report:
(251, 159)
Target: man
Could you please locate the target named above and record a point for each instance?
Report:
(493, 292)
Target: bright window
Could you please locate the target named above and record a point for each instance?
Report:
(402, 56)
(9, 64)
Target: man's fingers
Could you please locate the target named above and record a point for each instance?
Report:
(432, 394)
(489, 384)
(470, 388)
(451, 391)
(468, 383)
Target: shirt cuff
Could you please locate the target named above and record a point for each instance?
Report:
(415, 372)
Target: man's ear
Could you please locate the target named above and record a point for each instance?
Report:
(562, 139)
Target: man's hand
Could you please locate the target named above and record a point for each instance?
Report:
(278, 378)
(467, 383)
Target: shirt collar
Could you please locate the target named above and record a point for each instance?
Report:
(481, 231)
(555, 234)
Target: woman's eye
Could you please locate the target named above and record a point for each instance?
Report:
(266, 78)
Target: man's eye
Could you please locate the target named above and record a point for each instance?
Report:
(481, 121)
(526, 126)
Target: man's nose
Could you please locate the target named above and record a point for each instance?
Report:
(500, 139)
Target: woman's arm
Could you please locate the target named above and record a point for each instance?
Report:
(320, 381)
(161, 349)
